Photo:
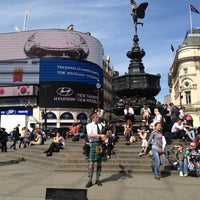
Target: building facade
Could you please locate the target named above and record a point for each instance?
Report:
(184, 74)
(50, 77)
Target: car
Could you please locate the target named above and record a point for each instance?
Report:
(64, 131)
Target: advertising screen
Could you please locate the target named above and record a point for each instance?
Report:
(19, 72)
(70, 71)
(68, 94)
(24, 90)
(50, 43)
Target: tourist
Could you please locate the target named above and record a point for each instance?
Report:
(158, 148)
(128, 132)
(57, 144)
(179, 162)
(197, 138)
(3, 139)
(157, 117)
(38, 138)
(178, 131)
(15, 137)
(129, 113)
(192, 155)
(143, 131)
(145, 112)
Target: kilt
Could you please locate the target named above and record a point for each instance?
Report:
(94, 156)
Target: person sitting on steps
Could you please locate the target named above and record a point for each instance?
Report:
(57, 144)
(128, 131)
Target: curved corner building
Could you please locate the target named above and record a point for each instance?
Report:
(53, 71)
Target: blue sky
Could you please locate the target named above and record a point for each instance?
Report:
(165, 23)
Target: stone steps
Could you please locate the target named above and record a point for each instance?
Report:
(71, 158)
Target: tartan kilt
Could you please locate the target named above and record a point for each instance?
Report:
(93, 156)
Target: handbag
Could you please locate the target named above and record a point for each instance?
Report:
(158, 149)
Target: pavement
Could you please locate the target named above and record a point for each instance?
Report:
(21, 181)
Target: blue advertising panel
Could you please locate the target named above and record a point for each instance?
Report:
(27, 112)
(62, 70)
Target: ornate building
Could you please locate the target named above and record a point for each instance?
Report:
(184, 74)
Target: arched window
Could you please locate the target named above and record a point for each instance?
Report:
(66, 115)
(51, 115)
(82, 117)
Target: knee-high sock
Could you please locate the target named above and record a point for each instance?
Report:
(98, 172)
(90, 173)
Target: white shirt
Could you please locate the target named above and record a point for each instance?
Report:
(176, 127)
(130, 111)
(92, 129)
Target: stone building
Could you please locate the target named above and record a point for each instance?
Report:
(184, 74)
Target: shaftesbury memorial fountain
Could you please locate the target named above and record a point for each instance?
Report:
(136, 87)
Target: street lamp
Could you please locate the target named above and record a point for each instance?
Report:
(46, 88)
(29, 103)
(98, 86)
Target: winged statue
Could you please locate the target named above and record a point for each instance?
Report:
(138, 11)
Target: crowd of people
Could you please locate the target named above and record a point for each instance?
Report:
(160, 128)
(157, 128)
(21, 138)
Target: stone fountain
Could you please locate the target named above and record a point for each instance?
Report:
(136, 87)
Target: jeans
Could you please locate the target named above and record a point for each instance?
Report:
(191, 135)
(171, 135)
(13, 145)
(181, 166)
(198, 171)
(158, 160)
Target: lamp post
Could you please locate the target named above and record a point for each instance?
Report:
(46, 87)
(29, 104)
(98, 86)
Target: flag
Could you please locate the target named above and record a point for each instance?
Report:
(193, 9)
(172, 48)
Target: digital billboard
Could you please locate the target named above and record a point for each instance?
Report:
(70, 71)
(68, 94)
(22, 90)
(19, 72)
(45, 43)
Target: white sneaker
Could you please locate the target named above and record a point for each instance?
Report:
(185, 174)
(141, 153)
(180, 173)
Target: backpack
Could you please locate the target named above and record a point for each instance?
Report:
(192, 168)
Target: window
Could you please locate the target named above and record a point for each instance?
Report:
(51, 115)
(82, 117)
(188, 97)
(187, 84)
(185, 71)
(66, 115)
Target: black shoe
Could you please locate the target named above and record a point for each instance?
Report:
(46, 151)
(99, 183)
(89, 184)
(49, 154)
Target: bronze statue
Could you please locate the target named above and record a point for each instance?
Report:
(138, 12)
